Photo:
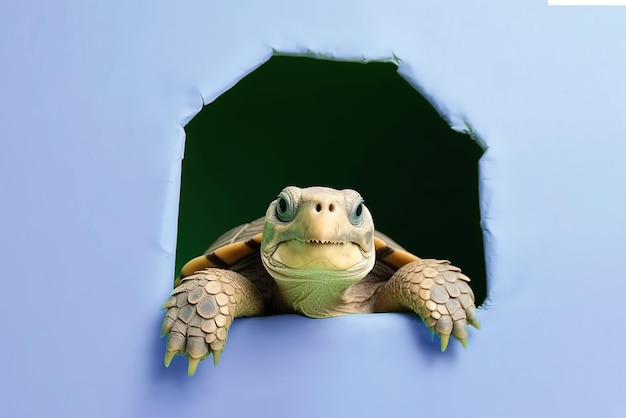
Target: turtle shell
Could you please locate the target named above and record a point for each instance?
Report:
(241, 233)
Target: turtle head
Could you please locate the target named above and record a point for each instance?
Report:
(318, 234)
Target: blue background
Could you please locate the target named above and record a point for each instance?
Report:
(94, 100)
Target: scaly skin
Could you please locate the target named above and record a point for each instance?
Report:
(201, 310)
(435, 290)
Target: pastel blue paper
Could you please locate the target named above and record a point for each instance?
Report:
(93, 103)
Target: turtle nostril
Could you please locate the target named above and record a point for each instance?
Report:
(318, 207)
(331, 207)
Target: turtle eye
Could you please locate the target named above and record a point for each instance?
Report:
(357, 212)
(285, 210)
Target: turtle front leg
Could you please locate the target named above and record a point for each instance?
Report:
(201, 310)
(438, 292)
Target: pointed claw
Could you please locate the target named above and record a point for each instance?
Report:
(169, 355)
(169, 303)
(193, 365)
(432, 334)
(472, 318)
(445, 338)
(463, 342)
(216, 357)
(474, 322)
(167, 326)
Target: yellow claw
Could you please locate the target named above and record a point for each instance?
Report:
(463, 342)
(472, 317)
(216, 357)
(474, 322)
(169, 355)
(445, 338)
(193, 365)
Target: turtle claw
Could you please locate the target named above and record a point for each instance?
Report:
(193, 365)
(167, 326)
(474, 322)
(445, 338)
(216, 357)
(169, 303)
(463, 342)
(472, 318)
(169, 355)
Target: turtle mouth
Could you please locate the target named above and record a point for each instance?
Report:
(315, 254)
(319, 241)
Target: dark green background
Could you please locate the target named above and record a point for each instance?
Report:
(305, 121)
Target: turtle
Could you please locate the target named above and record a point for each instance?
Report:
(315, 253)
